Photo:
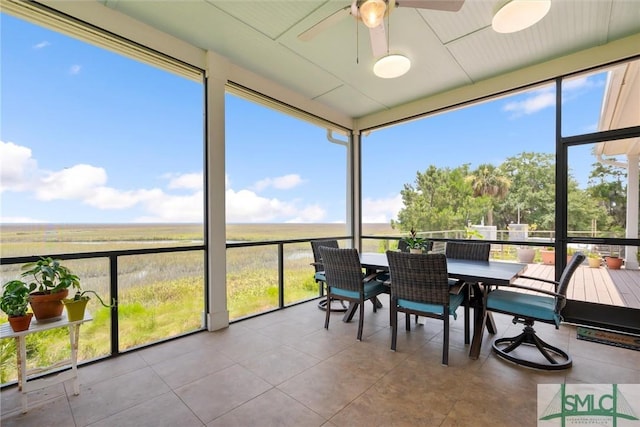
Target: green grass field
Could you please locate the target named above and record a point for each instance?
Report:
(162, 295)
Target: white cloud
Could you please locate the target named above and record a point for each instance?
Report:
(285, 182)
(381, 210)
(192, 181)
(536, 101)
(88, 184)
(75, 69)
(41, 45)
(76, 182)
(17, 168)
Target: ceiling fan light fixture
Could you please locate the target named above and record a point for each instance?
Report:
(391, 66)
(516, 15)
(372, 12)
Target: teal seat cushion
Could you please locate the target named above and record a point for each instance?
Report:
(454, 302)
(526, 305)
(319, 276)
(371, 289)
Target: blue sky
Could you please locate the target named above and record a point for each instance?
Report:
(88, 136)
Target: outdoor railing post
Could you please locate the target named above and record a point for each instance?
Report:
(113, 290)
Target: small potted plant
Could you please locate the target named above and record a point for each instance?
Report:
(613, 260)
(414, 243)
(49, 283)
(76, 306)
(548, 255)
(526, 254)
(15, 302)
(594, 259)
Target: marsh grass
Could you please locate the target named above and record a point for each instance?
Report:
(160, 295)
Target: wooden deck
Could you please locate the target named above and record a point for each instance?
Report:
(600, 285)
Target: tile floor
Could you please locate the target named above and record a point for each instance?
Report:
(284, 369)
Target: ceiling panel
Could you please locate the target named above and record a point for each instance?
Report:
(447, 49)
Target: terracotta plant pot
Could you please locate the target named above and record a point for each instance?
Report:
(75, 309)
(20, 323)
(548, 257)
(613, 262)
(47, 307)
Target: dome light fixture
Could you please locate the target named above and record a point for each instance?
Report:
(372, 12)
(516, 15)
(391, 66)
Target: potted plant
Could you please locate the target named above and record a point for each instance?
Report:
(415, 244)
(49, 284)
(613, 260)
(76, 306)
(526, 254)
(594, 259)
(548, 255)
(14, 302)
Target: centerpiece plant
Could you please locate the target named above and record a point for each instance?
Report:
(415, 243)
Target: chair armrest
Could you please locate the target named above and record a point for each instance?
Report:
(370, 277)
(529, 288)
(553, 282)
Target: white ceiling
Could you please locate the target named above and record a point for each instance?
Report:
(448, 50)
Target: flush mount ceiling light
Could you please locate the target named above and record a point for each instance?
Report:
(372, 12)
(516, 15)
(391, 66)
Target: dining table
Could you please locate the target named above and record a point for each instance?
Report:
(479, 274)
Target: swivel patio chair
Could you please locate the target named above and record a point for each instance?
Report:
(420, 286)
(320, 278)
(526, 308)
(346, 281)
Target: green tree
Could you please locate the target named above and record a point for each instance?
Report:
(489, 182)
(440, 199)
(607, 189)
(532, 192)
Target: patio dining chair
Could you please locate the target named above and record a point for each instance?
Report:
(420, 286)
(346, 281)
(320, 278)
(541, 305)
(472, 251)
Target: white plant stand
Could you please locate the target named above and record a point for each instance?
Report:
(68, 366)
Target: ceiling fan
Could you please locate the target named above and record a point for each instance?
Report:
(372, 14)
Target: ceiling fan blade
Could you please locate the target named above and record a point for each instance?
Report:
(327, 22)
(378, 37)
(444, 5)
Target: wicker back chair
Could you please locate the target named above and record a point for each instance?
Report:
(473, 251)
(346, 281)
(420, 286)
(538, 304)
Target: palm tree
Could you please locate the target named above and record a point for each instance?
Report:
(487, 180)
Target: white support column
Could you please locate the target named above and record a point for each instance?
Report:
(354, 175)
(631, 252)
(218, 315)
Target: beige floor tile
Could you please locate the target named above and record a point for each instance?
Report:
(52, 412)
(272, 408)
(165, 410)
(218, 393)
(280, 364)
(190, 367)
(327, 388)
(106, 398)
